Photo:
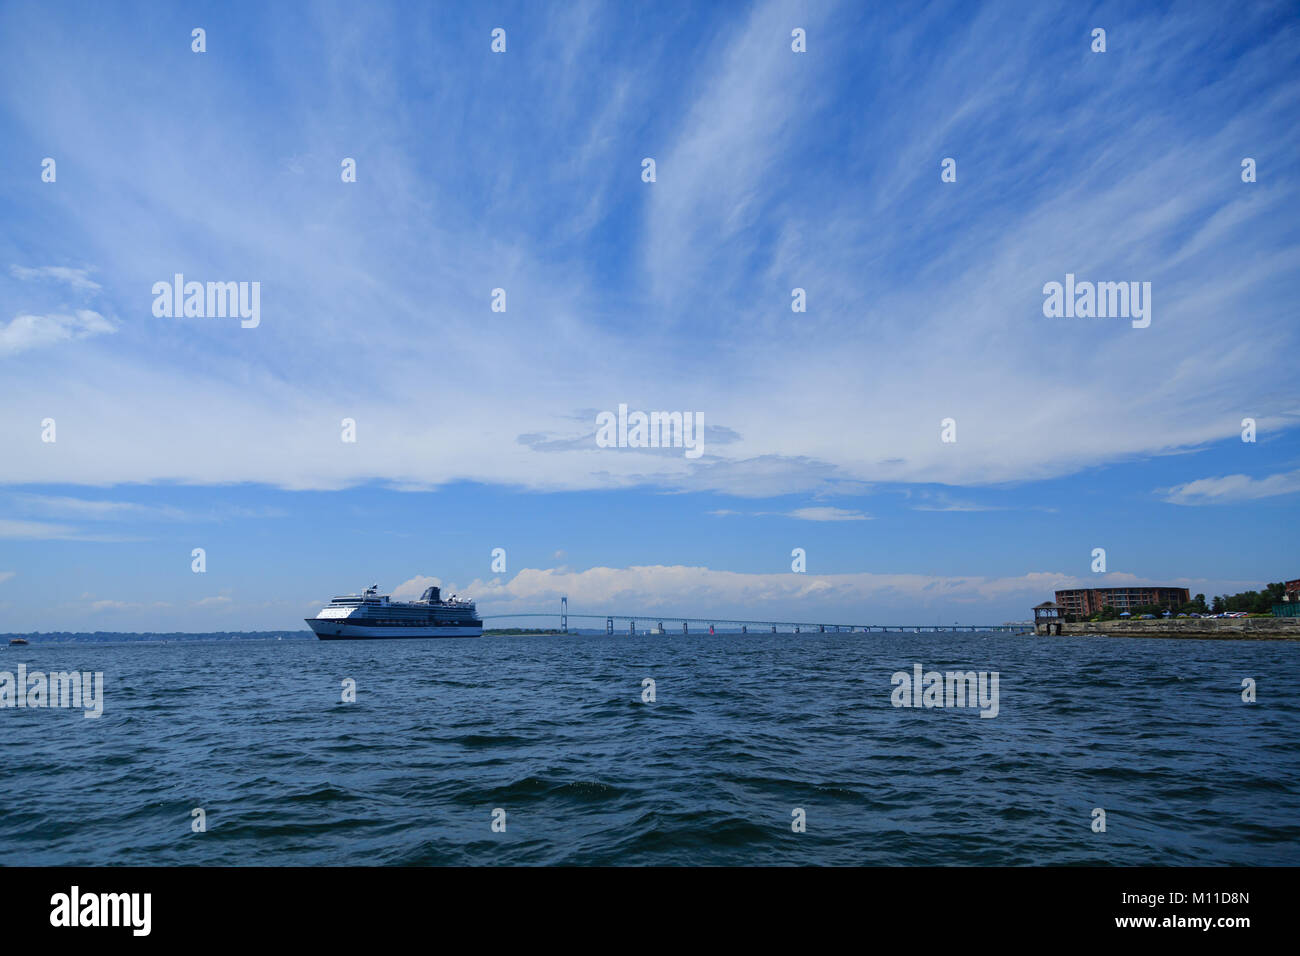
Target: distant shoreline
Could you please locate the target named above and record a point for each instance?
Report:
(153, 637)
(169, 637)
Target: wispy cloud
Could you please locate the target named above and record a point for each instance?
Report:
(35, 530)
(811, 513)
(39, 331)
(46, 531)
(942, 501)
(71, 508)
(827, 513)
(76, 278)
(1232, 488)
(924, 298)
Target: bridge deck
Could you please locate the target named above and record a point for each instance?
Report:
(728, 622)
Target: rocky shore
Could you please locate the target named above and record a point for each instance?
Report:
(1217, 628)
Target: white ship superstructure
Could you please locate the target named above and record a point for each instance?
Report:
(371, 615)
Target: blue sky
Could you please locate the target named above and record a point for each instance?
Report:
(522, 170)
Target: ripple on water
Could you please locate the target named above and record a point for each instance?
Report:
(742, 733)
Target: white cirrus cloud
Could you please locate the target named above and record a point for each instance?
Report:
(23, 530)
(942, 501)
(36, 530)
(1232, 488)
(811, 513)
(827, 513)
(38, 331)
(765, 183)
(70, 508)
(76, 278)
(66, 507)
(113, 605)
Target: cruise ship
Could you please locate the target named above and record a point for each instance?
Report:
(371, 616)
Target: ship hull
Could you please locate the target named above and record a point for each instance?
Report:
(328, 629)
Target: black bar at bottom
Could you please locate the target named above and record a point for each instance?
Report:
(298, 905)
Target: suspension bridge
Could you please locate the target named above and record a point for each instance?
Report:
(654, 624)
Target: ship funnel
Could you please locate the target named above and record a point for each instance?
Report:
(430, 594)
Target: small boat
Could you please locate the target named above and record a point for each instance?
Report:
(18, 640)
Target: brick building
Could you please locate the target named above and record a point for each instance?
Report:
(1290, 606)
(1085, 602)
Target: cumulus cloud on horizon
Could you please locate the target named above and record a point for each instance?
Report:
(686, 590)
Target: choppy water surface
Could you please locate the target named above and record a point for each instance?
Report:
(744, 730)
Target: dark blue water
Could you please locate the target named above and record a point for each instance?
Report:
(744, 730)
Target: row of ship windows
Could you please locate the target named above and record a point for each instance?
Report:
(402, 612)
(391, 608)
(378, 621)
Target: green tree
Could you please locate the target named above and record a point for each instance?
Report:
(1272, 595)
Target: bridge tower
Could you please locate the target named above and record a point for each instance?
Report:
(632, 628)
(564, 614)
(685, 629)
(609, 627)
